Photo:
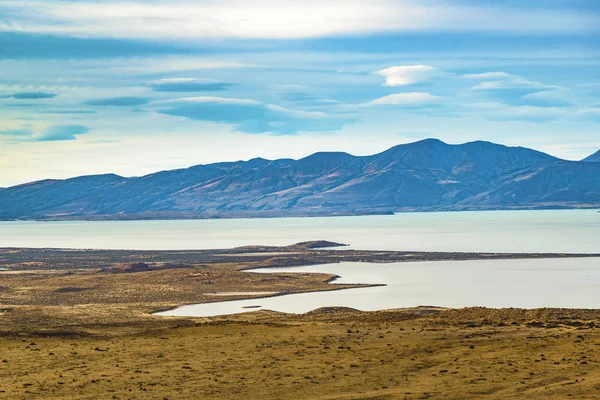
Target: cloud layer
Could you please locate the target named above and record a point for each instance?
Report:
(31, 95)
(125, 101)
(268, 19)
(62, 132)
(406, 99)
(52, 133)
(250, 116)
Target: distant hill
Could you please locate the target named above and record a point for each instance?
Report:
(593, 158)
(427, 175)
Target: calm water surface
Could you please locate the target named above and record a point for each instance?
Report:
(568, 283)
(493, 231)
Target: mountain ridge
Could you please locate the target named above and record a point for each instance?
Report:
(593, 157)
(427, 175)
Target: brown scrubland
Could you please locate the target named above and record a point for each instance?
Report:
(79, 325)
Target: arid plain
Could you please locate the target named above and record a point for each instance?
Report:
(79, 325)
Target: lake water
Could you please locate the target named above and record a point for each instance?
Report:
(561, 283)
(492, 231)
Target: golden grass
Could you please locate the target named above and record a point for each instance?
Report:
(82, 334)
(404, 354)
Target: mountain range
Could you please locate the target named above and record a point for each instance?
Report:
(428, 175)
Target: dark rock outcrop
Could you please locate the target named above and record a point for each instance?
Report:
(126, 268)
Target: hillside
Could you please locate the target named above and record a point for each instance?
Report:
(426, 175)
(593, 158)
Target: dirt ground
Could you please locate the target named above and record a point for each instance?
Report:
(83, 334)
(328, 354)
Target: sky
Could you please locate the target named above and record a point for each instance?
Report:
(134, 87)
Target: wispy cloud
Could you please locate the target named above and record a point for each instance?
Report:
(57, 132)
(548, 98)
(60, 111)
(278, 18)
(127, 101)
(526, 114)
(406, 99)
(250, 116)
(31, 95)
(532, 112)
(303, 95)
(514, 82)
(19, 132)
(595, 85)
(62, 132)
(591, 87)
(188, 85)
(489, 75)
(516, 90)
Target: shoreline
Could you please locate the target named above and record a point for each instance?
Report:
(183, 216)
(187, 277)
(287, 214)
(356, 284)
(254, 257)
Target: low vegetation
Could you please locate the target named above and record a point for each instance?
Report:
(88, 332)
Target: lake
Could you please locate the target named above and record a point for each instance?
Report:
(569, 231)
(560, 283)
(503, 283)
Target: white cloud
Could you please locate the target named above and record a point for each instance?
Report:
(413, 98)
(210, 99)
(408, 74)
(296, 113)
(489, 75)
(277, 18)
(180, 80)
(512, 82)
(251, 116)
(553, 97)
(497, 80)
(292, 87)
(595, 85)
(588, 113)
(240, 102)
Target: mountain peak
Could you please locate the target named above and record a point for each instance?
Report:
(483, 143)
(327, 154)
(425, 144)
(326, 158)
(257, 161)
(430, 141)
(100, 177)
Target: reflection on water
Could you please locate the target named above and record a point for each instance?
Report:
(572, 231)
(560, 283)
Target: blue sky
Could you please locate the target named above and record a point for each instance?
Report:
(135, 87)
